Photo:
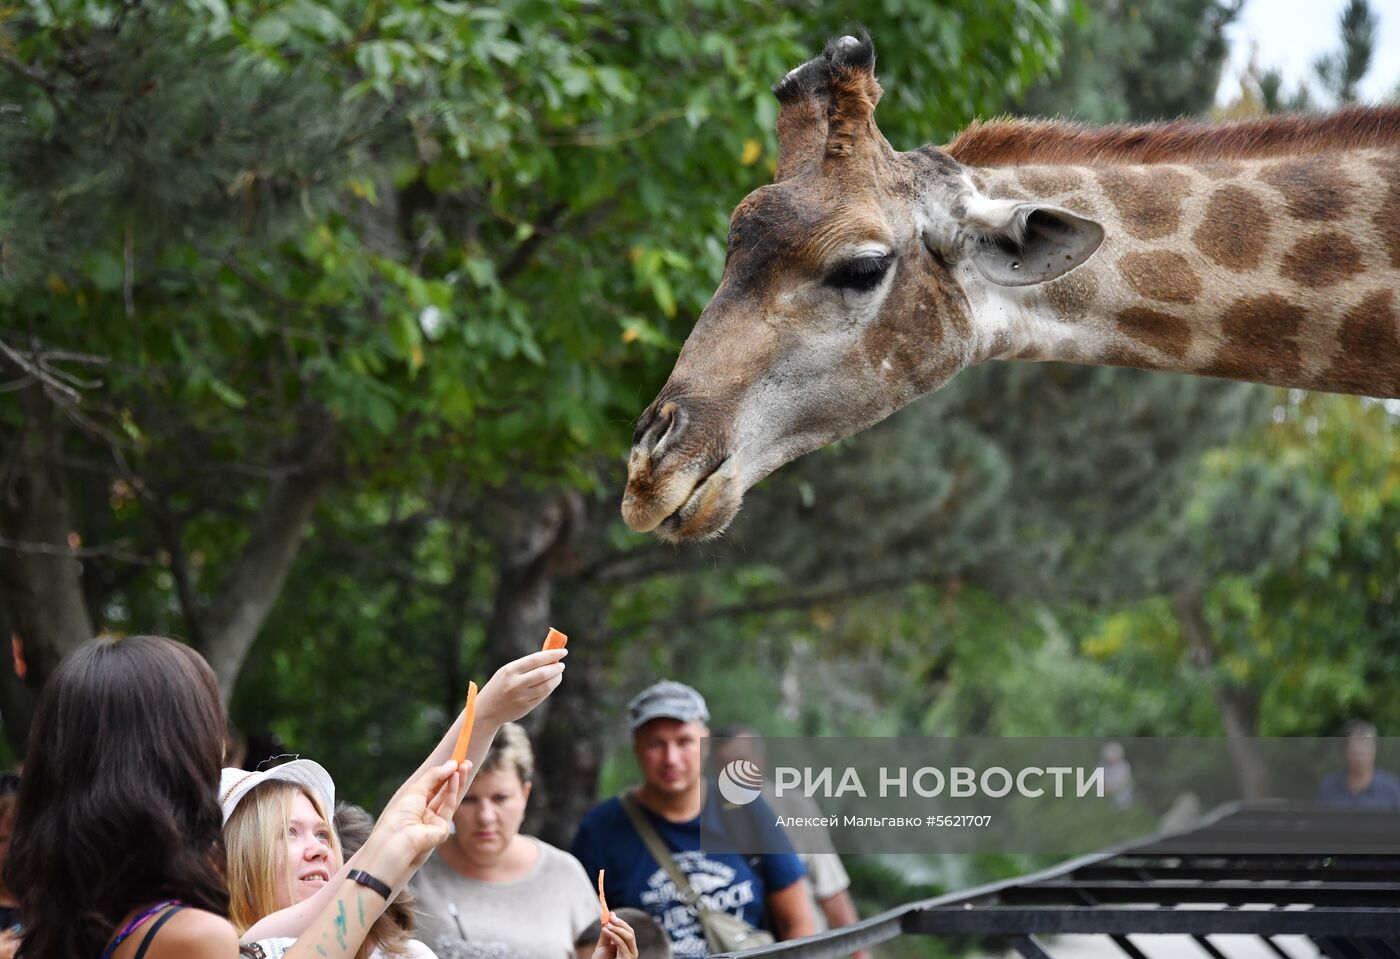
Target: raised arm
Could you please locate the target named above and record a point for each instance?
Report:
(516, 688)
(413, 824)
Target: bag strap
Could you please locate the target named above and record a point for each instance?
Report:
(155, 927)
(660, 851)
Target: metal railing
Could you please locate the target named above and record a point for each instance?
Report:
(1223, 876)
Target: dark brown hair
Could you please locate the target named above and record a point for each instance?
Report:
(118, 807)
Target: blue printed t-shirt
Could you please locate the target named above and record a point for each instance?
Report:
(726, 882)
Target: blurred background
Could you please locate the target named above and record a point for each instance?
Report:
(324, 324)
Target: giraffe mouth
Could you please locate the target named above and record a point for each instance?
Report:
(711, 505)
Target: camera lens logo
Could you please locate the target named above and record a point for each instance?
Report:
(740, 782)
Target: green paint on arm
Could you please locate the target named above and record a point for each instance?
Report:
(360, 905)
(322, 951)
(340, 923)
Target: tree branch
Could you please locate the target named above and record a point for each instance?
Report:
(777, 605)
(169, 530)
(237, 613)
(115, 550)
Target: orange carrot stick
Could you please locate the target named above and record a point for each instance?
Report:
(459, 753)
(602, 899)
(555, 639)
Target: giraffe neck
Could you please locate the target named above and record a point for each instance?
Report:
(1282, 270)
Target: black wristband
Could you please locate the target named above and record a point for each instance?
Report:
(369, 882)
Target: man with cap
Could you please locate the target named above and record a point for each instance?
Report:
(668, 721)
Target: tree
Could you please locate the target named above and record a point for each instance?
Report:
(1136, 60)
(287, 279)
(1340, 71)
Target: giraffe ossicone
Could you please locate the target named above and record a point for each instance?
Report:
(863, 278)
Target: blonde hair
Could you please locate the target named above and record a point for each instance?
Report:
(511, 750)
(254, 837)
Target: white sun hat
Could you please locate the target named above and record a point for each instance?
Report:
(234, 784)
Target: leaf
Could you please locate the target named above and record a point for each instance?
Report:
(271, 30)
(227, 394)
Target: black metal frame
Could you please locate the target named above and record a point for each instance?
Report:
(1226, 876)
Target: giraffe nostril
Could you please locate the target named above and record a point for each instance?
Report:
(660, 429)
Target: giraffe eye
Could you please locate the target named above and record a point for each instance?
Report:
(861, 274)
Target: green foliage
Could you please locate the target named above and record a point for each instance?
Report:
(460, 239)
(1137, 60)
(456, 245)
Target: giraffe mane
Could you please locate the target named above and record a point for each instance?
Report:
(1013, 142)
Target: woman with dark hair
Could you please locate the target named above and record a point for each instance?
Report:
(118, 850)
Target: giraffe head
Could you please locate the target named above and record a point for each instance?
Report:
(849, 289)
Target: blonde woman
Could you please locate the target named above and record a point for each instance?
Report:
(490, 891)
(287, 863)
(283, 849)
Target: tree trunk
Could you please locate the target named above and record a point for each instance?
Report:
(40, 577)
(534, 538)
(568, 756)
(1239, 707)
(231, 624)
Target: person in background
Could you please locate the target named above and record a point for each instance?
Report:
(1360, 785)
(120, 788)
(1117, 774)
(831, 896)
(652, 941)
(490, 891)
(767, 892)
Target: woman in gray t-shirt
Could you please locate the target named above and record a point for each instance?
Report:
(491, 893)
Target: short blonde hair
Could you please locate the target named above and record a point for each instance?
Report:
(254, 837)
(511, 750)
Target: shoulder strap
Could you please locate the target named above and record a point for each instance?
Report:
(155, 927)
(659, 850)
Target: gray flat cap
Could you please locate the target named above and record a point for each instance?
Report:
(667, 700)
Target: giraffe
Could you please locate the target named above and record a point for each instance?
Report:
(863, 278)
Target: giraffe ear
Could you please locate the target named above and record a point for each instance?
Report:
(1021, 244)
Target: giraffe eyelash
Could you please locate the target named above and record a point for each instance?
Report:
(861, 274)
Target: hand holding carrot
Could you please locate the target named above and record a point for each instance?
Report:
(616, 941)
(520, 686)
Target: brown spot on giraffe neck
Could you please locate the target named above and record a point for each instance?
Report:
(1235, 231)
(1080, 204)
(1049, 181)
(1161, 275)
(1071, 295)
(1220, 171)
(1129, 358)
(1322, 260)
(1161, 330)
(1387, 223)
(1312, 188)
(1149, 203)
(1368, 349)
(1259, 340)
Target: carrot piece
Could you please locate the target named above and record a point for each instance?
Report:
(459, 753)
(555, 639)
(602, 899)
